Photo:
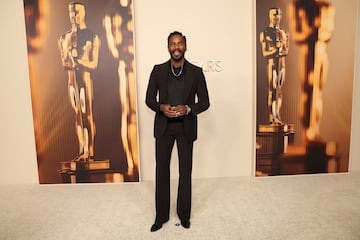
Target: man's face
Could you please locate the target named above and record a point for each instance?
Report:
(177, 47)
(275, 16)
(76, 14)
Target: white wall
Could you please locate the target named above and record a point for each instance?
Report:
(224, 146)
(355, 134)
(17, 147)
(216, 32)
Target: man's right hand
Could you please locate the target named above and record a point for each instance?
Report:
(167, 110)
(173, 111)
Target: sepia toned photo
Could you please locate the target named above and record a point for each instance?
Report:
(83, 88)
(304, 85)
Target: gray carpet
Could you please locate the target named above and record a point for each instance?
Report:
(288, 207)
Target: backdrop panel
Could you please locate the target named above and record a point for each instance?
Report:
(82, 78)
(304, 75)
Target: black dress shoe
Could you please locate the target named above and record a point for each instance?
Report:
(155, 227)
(185, 223)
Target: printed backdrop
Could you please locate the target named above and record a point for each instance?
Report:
(316, 75)
(56, 124)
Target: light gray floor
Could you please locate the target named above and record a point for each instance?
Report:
(288, 207)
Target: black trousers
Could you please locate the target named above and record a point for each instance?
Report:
(164, 147)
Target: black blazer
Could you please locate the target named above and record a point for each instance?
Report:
(195, 86)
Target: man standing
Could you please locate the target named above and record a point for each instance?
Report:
(177, 93)
(275, 46)
(79, 49)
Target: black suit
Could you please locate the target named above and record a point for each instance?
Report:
(184, 132)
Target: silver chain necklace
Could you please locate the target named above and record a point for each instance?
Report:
(173, 72)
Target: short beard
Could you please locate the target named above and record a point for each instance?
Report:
(177, 59)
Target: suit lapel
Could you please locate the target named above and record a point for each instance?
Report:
(164, 80)
(188, 78)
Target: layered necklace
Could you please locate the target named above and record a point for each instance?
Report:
(173, 72)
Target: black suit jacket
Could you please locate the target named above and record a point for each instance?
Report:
(195, 87)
